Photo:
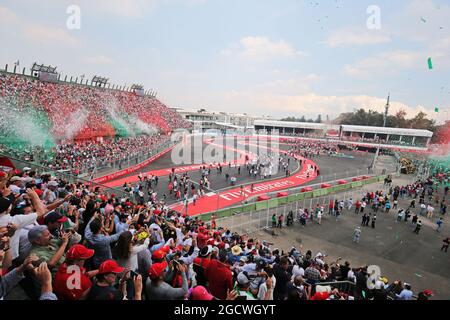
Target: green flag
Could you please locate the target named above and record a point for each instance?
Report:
(436, 109)
(430, 64)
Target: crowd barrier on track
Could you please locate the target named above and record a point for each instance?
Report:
(273, 203)
(132, 169)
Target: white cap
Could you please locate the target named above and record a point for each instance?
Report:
(379, 284)
(323, 289)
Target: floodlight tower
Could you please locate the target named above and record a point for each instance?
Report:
(386, 110)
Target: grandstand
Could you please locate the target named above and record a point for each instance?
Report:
(367, 136)
(37, 113)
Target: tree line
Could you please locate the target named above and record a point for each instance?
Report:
(361, 117)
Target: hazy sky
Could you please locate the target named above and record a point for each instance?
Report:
(263, 57)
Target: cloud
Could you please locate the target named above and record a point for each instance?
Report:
(133, 8)
(129, 8)
(312, 104)
(40, 33)
(101, 60)
(408, 24)
(440, 52)
(385, 62)
(353, 37)
(37, 33)
(291, 85)
(7, 16)
(261, 48)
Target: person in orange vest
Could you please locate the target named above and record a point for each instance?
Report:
(213, 221)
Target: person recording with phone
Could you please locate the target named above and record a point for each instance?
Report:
(158, 289)
(9, 280)
(127, 249)
(105, 287)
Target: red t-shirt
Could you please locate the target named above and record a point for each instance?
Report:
(202, 262)
(62, 281)
(220, 279)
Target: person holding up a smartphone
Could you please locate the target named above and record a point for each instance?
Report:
(12, 278)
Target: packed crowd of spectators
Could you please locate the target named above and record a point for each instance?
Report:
(310, 149)
(59, 101)
(81, 156)
(406, 141)
(74, 113)
(53, 232)
(84, 156)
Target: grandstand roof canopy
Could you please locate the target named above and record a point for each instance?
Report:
(137, 87)
(99, 80)
(287, 124)
(42, 68)
(387, 130)
(228, 125)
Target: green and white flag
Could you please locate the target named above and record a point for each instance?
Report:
(430, 64)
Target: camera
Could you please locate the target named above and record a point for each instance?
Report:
(11, 230)
(37, 263)
(133, 274)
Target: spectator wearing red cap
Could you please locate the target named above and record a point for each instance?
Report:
(103, 288)
(159, 255)
(72, 282)
(54, 220)
(200, 293)
(202, 237)
(158, 289)
(219, 276)
(425, 295)
(201, 263)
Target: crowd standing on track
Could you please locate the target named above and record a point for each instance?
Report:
(181, 187)
(123, 249)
